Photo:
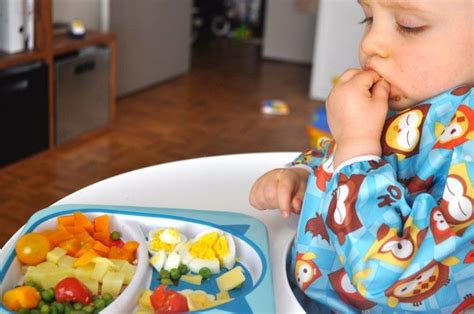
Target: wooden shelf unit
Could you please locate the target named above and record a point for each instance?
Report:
(47, 46)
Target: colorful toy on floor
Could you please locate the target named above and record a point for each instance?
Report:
(319, 132)
(275, 106)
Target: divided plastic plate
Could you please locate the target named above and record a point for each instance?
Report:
(250, 236)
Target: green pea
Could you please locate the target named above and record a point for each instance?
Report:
(205, 272)
(99, 303)
(183, 269)
(30, 283)
(107, 297)
(60, 307)
(47, 296)
(53, 310)
(41, 303)
(78, 312)
(35, 311)
(115, 235)
(166, 281)
(175, 274)
(88, 309)
(44, 309)
(24, 311)
(164, 274)
(77, 306)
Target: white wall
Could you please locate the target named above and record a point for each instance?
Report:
(336, 44)
(288, 33)
(153, 41)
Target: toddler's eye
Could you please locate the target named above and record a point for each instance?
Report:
(367, 20)
(409, 30)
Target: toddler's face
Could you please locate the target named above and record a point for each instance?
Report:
(421, 47)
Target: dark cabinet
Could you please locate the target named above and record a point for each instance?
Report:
(24, 115)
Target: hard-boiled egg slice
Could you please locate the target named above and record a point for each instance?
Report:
(197, 263)
(158, 260)
(172, 236)
(225, 250)
(199, 252)
(173, 261)
(164, 239)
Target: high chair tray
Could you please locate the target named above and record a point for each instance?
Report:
(135, 223)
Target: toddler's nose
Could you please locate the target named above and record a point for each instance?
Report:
(374, 44)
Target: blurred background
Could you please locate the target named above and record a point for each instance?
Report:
(93, 88)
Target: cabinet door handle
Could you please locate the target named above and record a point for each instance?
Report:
(18, 86)
(84, 67)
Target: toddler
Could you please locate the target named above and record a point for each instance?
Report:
(387, 218)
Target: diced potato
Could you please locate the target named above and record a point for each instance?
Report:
(66, 261)
(107, 261)
(144, 310)
(230, 279)
(47, 267)
(128, 270)
(84, 272)
(51, 279)
(112, 283)
(223, 295)
(99, 271)
(34, 275)
(55, 254)
(144, 300)
(192, 279)
(118, 262)
(92, 284)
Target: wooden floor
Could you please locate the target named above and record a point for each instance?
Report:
(213, 110)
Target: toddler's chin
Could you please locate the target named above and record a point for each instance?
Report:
(400, 103)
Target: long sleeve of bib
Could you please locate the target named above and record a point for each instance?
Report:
(399, 229)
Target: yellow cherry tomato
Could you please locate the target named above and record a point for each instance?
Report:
(32, 248)
(24, 297)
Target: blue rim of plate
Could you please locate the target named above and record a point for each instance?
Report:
(247, 228)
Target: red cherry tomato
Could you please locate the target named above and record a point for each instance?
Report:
(32, 248)
(72, 290)
(168, 301)
(117, 243)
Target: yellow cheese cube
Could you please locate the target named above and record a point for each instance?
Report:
(144, 301)
(192, 279)
(223, 295)
(230, 279)
(55, 254)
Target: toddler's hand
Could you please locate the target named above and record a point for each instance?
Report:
(356, 111)
(281, 188)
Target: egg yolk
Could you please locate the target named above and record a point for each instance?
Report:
(156, 244)
(203, 248)
(173, 233)
(221, 247)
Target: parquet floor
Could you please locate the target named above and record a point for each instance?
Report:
(212, 110)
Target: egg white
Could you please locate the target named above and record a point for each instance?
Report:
(158, 260)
